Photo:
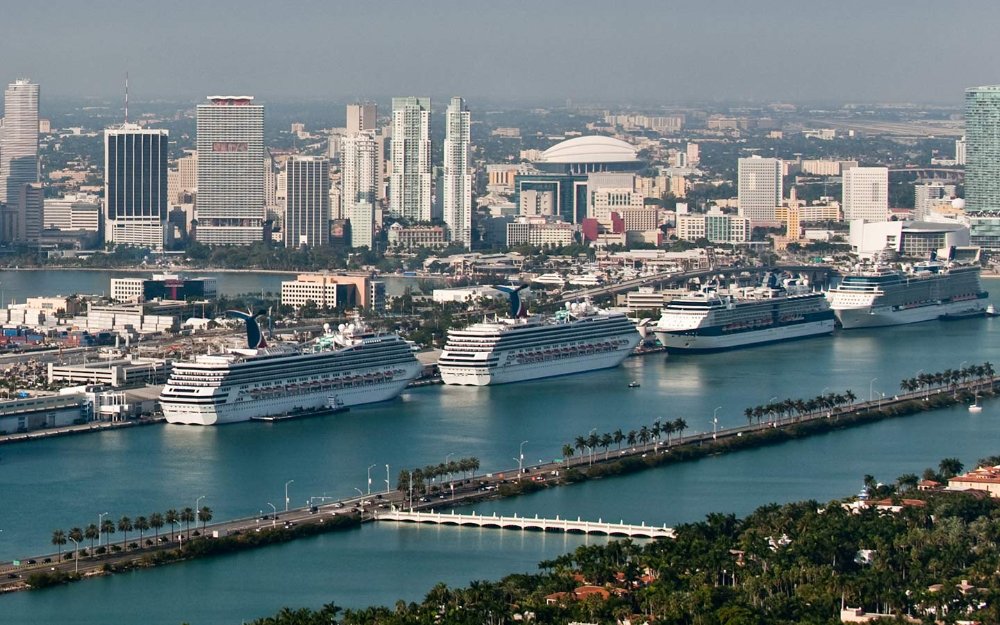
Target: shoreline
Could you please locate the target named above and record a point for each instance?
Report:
(502, 484)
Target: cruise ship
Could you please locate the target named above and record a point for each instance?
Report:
(884, 296)
(345, 367)
(709, 320)
(521, 347)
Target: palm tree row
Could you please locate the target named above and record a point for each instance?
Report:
(141, 524)
(799, 407)
(950, 378)
(643, 436)
(431, 472)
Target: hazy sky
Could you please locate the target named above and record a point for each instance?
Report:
(640, 51)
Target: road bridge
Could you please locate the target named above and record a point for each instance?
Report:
(527, 523)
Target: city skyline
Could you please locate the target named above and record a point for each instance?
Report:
(701, 51)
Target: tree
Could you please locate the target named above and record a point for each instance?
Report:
(172, 519)
(141, 524)
(156, 522)
(907, 481)
(567, 452)
(950, 467)
(680, 425)
(125, 526)
(91, 533)
(187, 518)
(76, 534)
(59, 539)
(108, 528)
(204, 515)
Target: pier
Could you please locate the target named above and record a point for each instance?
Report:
(527, 523)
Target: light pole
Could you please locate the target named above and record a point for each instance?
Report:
(447, 459)
(916, 376)
(100, 520)
(386, 479)
(520, 459)
(274, 513)
(286, 494)
(715, 421)
(871, 391)
(76, 554)
(197, 503)
(370, 478)
(360, 492)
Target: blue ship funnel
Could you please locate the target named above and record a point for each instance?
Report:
(517, 306)
(255, 338)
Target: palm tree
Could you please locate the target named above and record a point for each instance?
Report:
(172, 519)
(656, 429)
(606, 441)
(851, 397)
(669, 429)
(187, 518)
(680, 425)
(580, 443)
(644, 435)
(907, 481)
(141, 524)
(950, 467)
(567, 452)
(108, 527)
(125, 526)
(619, 437)
(156, 522)
(59, 539)
(76, 534)
(631, 438)
(91, 533)
(748, 413)
(204, 515)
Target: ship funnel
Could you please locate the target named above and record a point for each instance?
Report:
(255, 338)
(517, 306)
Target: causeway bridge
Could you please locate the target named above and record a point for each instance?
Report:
(527, 523)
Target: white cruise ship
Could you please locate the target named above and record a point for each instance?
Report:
(579, 338)
(882, 296)
(708, 320)
(348, 367)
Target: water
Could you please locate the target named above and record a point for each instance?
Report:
(242, 468)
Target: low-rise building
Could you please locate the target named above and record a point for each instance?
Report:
(715, 226)
(162, 286)
(914, 239)
(328, 290)
(409, 237)
(539, 231)
(33, 412)
(112, 373)
(984, 478)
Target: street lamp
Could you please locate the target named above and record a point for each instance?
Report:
(100, 520)
(871, 391)
(715, 421)
(197, 503)
(76, 554)
(360, 492)
(386, 479)
(370, 478)
(274, 513)
(286, 494)
(520, 459)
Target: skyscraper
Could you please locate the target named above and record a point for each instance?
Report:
(230, 209)
(457, 176)
(359, 158)
(361, 117)
(307, 207)
(19, 139)
(982, 164)
(135, 186)
(866, 193)
(760, 187)
(410, 185)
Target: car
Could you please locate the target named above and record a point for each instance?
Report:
(32, 562)
(339, 504)
(313, 509)
(47, 560)
(12, 575)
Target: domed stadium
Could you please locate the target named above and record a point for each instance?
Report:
(582, 155)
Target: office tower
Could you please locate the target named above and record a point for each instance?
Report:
(361, 117)
(925, 196)
(29, 201)
(359, 159)
(361, 215)
(187, 173)
(307, 206)
(19, 140)
(230, 209)
(760, 188)
(410, 184)
(457, 175)
(866, 193)
(135, 186)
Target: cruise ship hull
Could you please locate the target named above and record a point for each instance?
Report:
(519, 372)
(873, 317)
(697, 342)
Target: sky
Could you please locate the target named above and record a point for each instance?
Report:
(628, 51)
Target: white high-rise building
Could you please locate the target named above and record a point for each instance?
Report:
(359, 162)
(960, 151)
(19, 139)
(307, 207)
(361, 215)
(361, 116)
(135, 186)
(230, 208)
(457, 175)
(760, 188)
(866, 193)
(410, 184)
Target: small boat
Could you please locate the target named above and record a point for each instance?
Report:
(976, 407)
(633, 384)
(991, 311)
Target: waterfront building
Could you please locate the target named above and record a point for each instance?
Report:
(162, 286)
(113, 373)
(361, 116)
(986, 479)
(982, 166)
(912, 239)
(230, 207)
(307, 207)
(334, 291)
(19, 139)
(715, 226)
(410, 237)
(24, 414)
(760, 188)
(540, 232)
(866, 193)
(135, 186)
(21, 217)
(72, 212)
(410, 184)
(457, 175)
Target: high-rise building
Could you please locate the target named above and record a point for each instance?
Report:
(982, 164)
(230, 209)
(361, 216)
(960, 151)
(457, 175)
(359, 159)
(927, 195)
(361, 116)
(760, 188)
(19, 139)
(135, 186)
(307, 207)
(866, 193)
(410, 185)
